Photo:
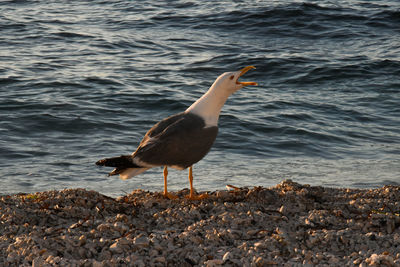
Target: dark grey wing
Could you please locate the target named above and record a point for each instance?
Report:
(158, 128)
(181, 140)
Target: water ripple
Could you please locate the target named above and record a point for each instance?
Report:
(84, 80)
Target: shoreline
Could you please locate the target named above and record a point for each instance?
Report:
(287, 224)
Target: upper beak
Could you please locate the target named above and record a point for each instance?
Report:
(243, 71)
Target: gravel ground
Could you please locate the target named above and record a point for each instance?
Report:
(286, 225)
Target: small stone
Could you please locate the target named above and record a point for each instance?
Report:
(153, 253)
(283, 209)
(192, 257)
(38, 262)
(354, 254)
(253, 232)
(123, 241)
(260, 245)
(12, 256)
(196, 240)
(50, 259)
(390, 225)
(141, 241)
(319, 256)
(139, 263)
(260, 262)
(120, 227)
(308, 255)
(334, 260)
(122, 218)
(160, 260)
(82, 252)
(222, 194)
(82, 240)
(303, 192)
(105, 255)
(213, 263)
(131, 259)
(103, 227)
(227, 256)
(116, 248)
(75, 225)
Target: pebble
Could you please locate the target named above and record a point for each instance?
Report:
(227, 256)
(213, 263)
(160, 260)
(116, 248)
(286, 225)
(141, 241)
(105, 255)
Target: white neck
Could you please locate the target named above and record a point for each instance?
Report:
(210, 104)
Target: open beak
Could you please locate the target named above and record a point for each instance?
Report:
(243, 71)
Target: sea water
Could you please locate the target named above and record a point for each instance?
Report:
(84, 80)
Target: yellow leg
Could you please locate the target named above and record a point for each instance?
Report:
(165, 180)
(166, 194)
(192, 196)
(191, 182)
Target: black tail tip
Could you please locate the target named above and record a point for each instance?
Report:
(101, 162)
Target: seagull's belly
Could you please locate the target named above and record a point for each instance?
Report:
(177, 167)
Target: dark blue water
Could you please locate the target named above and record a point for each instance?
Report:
(83, 80)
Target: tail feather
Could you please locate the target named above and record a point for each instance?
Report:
(130, 172)
(124, 161)
(123, 165)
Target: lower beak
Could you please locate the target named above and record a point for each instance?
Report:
(243, 71)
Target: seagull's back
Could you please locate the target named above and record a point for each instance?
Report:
(180, 141)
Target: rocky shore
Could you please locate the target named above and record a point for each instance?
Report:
(286, 225)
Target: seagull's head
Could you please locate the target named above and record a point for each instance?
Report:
(210, 104)
(229, 81)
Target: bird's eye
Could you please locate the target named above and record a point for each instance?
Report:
(232, 77)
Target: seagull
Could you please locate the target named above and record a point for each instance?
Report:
(183, 139)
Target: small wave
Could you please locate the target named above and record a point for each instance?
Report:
(343, 71)
(46, 123)
(18, 152)
(296, 116)
(62, 164)
(73, 35)
(12, 25)
(385, 19)
(102, 81)
(20, 2)
(9, 80)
